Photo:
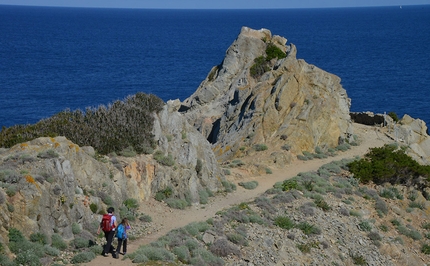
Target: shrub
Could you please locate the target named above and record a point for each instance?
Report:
(58, 242)
(163, 194)
(27, 257)
(128, 152)
(236, 239)
(365, 226)
(425, 249)
(308, 229)
(417, 205)
(80, 242)
(39, 238)
(94, 207)
(343, 147)
(286, 147)
(162, 159)
(221, 247)
(145, 218)
(54, 252)
(83, 257)
(76, 228)
(155, 253)
(284, 222)
(248, 185)
(358, 259)
(201, 256)
(182, 253)
(15, 235)
(11, 190)
(176, 203)
(228, 186)
(388, 164)
(390, 193)
(203, 196)
(381, 206)
(103, 128)
(260, 147)
(320, 203)
(374, 236)
(394, 116)
(289, 184)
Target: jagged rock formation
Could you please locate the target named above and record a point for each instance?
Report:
(293, 103)
(413, 133)
(48, 184)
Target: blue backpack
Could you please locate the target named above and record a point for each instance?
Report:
(120, 232)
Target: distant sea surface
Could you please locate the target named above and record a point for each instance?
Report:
(52, 59)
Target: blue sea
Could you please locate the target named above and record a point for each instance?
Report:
(52, 59)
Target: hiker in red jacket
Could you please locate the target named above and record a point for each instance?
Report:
(108, 225)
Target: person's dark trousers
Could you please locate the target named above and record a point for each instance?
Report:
(109, 237)
(121, 242)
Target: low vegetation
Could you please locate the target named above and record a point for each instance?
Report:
(123, 127)
(261, 64)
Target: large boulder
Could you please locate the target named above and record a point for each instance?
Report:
(293, 103)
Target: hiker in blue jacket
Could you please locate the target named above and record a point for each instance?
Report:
(108, 225)
(122, 237)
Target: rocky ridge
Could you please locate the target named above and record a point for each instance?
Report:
(293, 103)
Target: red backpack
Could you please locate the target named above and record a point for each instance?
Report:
(106, 223)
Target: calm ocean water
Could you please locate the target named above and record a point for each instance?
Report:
(57, 58)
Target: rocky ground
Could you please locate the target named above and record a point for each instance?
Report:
(350, 232)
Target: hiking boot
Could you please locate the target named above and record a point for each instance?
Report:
(115, 255)
(104, 254)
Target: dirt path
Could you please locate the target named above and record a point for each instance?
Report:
(167, 219)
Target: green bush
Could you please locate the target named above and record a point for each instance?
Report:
(289, 184)
(58, 242)
(182, 253)
(261, 63)
(76, 228)
(260, 147)
(425, 249)
(284, 222)
(390, 193)
(80, 242)
(321, 203)
(249, 185)
(365, 226)
(154, 253)
(164, 194)
(83, 257)
(145, 218)
(15, 235)
(104, 128)
(176, 203)
(228, 186)
(388, 164)
(162, 159)
(94, 207)
(394, 116)
(308, 229)
(39, 238)
(27, 257)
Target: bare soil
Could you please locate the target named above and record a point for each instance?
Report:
(166, 219)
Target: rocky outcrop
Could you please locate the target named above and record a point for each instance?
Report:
(413, 133)
(294, 103)
(48, 184)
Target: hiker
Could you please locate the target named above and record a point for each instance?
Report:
(108, 225)
(122, 237)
